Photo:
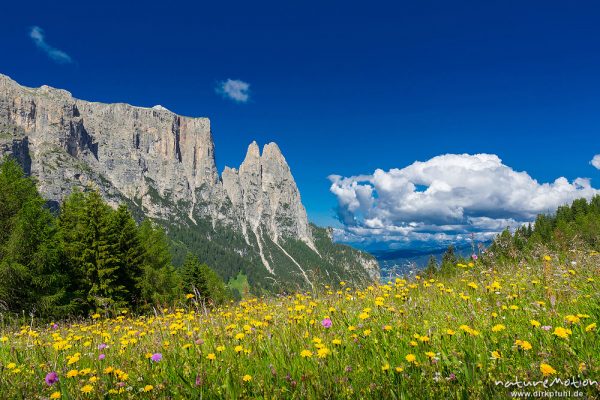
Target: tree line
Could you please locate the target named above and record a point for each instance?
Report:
(88, 257)
(573, 226)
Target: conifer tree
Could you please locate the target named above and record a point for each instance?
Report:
(129, 253)
(199, 278)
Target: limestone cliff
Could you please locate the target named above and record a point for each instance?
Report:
(163, 164)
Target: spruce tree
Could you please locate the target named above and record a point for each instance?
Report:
(199, 278)
(129, 253)
(32, 277)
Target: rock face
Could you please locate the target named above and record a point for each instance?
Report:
(156, 160)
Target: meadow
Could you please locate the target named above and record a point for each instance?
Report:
(421, 338)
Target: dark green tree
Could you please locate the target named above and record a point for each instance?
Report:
(130, 254)
(159, 283)
(32, 277)
(432, 266)
(199, 278)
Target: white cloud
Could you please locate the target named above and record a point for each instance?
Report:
(37, 35)
(596, 161)
(447, 198)
(235, 90)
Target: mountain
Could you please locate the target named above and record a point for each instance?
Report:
(393, 262)
(247, 222)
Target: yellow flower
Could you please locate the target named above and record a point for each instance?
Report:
(3, 339)
(399, 369)
(363, 315)
(247, 378)
(55, 395)
(367, 332)
(590, 327)
(547, 370)
(238, 349)
(189, 296)
(385, 367)
(472, 285)
(572, 319)
(306, 353)
(96, 316)
(496, 355)
(220, 349)
(148, 388)
(93, 379)
(211, 356)
(498, 328)
(523, 344)
(336, 341)
(11, 365)
(239, 336)
(430, 354)
(547, 258)
(72, 373)
(534, 323)
(323, 352)
(469, 330)
(73, 360)
(411, 358)
(562, 332)
(108, 370)
(450, 332)
(87, 388)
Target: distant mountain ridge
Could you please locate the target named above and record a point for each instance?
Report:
(249, 220)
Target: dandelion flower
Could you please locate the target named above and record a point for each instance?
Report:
(546, 370)
(562, 332)
(87, 389)
(306, 353)
(590, 327)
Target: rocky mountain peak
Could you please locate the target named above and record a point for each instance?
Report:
(158, 162)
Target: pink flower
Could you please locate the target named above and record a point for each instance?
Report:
(101, 357)
(156, 357)
(51, 378)
(102, 346)
(326, 323)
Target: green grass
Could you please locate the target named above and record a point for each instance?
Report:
(240, 283)
(421, 339)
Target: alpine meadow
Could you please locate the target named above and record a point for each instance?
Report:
(299, 200)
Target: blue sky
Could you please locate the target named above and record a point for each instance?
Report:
(344, 88)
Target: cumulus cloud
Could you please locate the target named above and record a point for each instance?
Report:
(596, 161)
(37, 35)
(448, 198)
(236, 90)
